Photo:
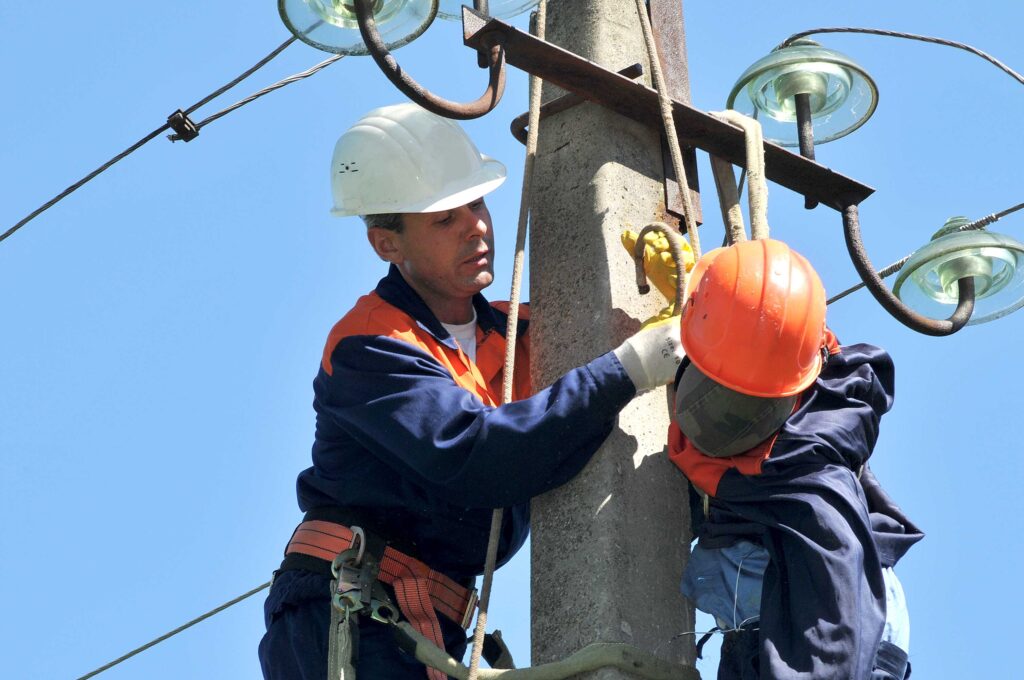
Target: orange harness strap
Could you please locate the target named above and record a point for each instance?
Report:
(419, 589)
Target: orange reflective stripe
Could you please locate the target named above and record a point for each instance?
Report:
(705, 472)
(831, 343)
(373, 316)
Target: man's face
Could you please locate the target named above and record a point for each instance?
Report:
(445, 256)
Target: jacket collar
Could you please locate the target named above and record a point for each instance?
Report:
(396, 291)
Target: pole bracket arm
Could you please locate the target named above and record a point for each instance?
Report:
(638, 102)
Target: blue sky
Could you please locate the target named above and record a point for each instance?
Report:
(161, 327)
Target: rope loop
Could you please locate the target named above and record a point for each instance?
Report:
(757, 193)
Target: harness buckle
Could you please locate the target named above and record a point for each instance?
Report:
(353, 575)
(346, 592)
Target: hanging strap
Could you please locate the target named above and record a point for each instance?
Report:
(728, 200)
(538, 20)
(668, 122)
(340, 645)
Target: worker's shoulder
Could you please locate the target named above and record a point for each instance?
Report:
(850, 356)
(373, 317)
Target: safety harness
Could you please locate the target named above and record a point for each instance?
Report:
(358, 567)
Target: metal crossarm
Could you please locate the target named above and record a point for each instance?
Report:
(640, 103)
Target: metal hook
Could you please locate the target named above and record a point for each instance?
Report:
(416, 92)
(675, 242)
(901, 312)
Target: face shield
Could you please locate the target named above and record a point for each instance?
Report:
(722, 422)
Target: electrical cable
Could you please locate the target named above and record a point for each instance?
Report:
(909, 36)
(255, 67)
(267, 90)
(177, 630)
(174, 137)
(49, 204)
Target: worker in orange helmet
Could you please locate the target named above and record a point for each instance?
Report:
(774, 423)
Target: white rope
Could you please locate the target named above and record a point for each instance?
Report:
(511, 337)
(757, 193)
(668, 120)
(339, 642)
(728, 200)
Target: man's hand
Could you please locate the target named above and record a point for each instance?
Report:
(658, 262)
(653, 354)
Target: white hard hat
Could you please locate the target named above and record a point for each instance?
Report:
(404, 159)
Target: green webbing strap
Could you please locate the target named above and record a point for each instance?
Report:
(339, 643)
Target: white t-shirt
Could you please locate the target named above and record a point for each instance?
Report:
(465, 335)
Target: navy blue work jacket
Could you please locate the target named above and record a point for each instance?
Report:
(409, 431)
(798, 494)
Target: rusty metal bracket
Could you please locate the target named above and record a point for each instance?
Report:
(638, 102)
(892, 304)
(668, 27)
(520, 124)
(421, 95)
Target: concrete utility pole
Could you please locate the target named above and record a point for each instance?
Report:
(609, 547)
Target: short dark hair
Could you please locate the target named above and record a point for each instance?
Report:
(390, 221)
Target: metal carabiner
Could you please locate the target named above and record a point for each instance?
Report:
(343, 600)
(347, 568)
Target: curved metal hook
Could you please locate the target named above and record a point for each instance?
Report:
(675, 243)
(892, 304)
(416, 92)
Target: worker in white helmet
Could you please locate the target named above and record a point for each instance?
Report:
(412, 450)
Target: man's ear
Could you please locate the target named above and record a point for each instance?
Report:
(386, 243)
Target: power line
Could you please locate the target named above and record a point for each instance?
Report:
(267, 90)
(179, 122)
(255, 67)
(910, 36)
(177, 630)
(49, 204)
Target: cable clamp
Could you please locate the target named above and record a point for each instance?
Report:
(184, 129)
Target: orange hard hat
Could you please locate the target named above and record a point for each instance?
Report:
(755, 321)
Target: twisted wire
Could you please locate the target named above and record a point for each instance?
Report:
(909, 36)
(174, 137)
(177, 630)
(245, 74)
(267, 90)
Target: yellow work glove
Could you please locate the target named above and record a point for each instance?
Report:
(658, 262)
(661, 317)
